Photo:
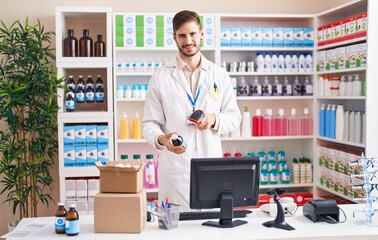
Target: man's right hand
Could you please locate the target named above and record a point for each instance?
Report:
(166, 141)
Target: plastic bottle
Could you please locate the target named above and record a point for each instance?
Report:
(294, 124)
(136, 91)
(70, 103)
(70, 45)
(301, 63)
(308, 89)
(136, 157)
(287, 88)
(297, 87)
(150, 65)
(327, 86)
(86, 45)
(227, 154)
(124, 127)
(363, 137)
(282, 164)
(294, 62)
(72, 221)
(143, 65)
(80, 87)
(272, 163)
(266, 87)
(277, 87)
(243, 88)
(100, 93)
(128, 92)
(260, 62)
(357, 127)
(274, 62)
(285, 176)
(264, 177)
(288, 67)
(149, 172)
(250, 153)
(339, 122)
(333, 122)
(255, 89)
(60, 219)
(137, 127)
(281, 123)
(263, 161)
(321, 86)
(322, 121)
(267, 63)
(296, 171)
(328, 121)
(142, 91)
(309, 63)
(273, 176)
(306, 123)
(281, 62)
(351, 126)
(269, 124)
(258, 124)
(238, 153)
(246, 123)
(349, 86)
(124, 157)
(342, 90)
(346, 126)
(356, 86)
(99, 47)
(120, 92)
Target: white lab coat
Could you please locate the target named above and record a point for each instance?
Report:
(166, 107)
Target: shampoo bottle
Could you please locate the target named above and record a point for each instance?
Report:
(137, 126)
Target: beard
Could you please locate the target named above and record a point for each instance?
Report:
(192, 53)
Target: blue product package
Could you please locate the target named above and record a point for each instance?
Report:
(102, 134)
(91, 155)
(278, 37)
(256, 37)
(267, 37)
(103, 153)
(68, 135)
(308, 37)
(80, 156)
(69, 156)
(91, 131)
(298, 37)
(225, 39)
(288, 37)
(80, 135)
(235, 36)
(246, 37)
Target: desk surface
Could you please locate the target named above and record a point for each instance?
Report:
(353, 228)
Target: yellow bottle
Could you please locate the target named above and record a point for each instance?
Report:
(125, 127)
(137, 127)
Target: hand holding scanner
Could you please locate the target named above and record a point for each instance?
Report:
(196, 116)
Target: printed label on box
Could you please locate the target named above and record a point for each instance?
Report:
(331, 59)
(256, 37)
(81, 156)
(68, 135)
(246, 37)
(331, 33)
(91, 155)
(340, 31)
(361, 25)
(103, 153)
(351, 56)
(361, 55)
(288, 37)
(70, 189)
(102, 134)
(308, 37)
(340, 58)
(235, 37)
(298, 37)
(80, 135)
(350, 28)
(225, 39)
(322, 35)
(278, 37)
(91, 131)
(267, 37)
(322, 61)
(81, 189)
(69, 156)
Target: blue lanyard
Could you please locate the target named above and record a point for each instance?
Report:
(195, 99)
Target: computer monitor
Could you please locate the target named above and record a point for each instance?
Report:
(224, 183)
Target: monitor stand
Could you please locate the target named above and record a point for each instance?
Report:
(226, 206)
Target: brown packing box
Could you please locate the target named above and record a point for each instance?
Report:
(115, 179)
(120, 212)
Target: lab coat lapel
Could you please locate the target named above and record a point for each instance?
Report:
(180, 77)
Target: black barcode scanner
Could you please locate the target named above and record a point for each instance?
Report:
(196, 116)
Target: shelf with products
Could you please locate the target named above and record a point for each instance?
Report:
(270, 73)
(344, 142)
(341, 71)
(272, 98)
(266, 138)
(342, 43)
(285, 186)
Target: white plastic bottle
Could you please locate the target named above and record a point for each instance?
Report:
(363, 134)
(277, 87)
(321, 86)
(357, 127)
(259, 62)
(309, 63)
(274, 62)
(127, 64)
(339, 122)
(287, 62)
(119, 65)
(351, 126)
(294, 62)
(342, 86)
(281, 62)
(128, 92)
(349, 86)
(301, 63)
(246, 123)
(346, 126)
(120, 92)
(267, 63)
(266, 87)
(356, 86)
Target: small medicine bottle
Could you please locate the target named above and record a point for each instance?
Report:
(60, 219)
(72, 221)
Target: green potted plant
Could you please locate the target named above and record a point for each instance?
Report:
(28, 106)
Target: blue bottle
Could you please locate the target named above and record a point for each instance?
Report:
(322, 121)
(328, 121)
(333, 122)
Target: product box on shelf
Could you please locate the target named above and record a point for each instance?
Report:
(90, 207)
(235, 37)
(361, 25)
(331, 59)
(80, 156)
(288, 37)
(246, 37)
(121, 176)
(322, 35)
(267, 37)
(91, 134)
(340, 162)
(340, 58)
(102, 135)
(69, 156)
(256, 37)
(321, 61)
(68, 135)
(82, 207)
(225, 39)
(81, 189)
(91, 155)
(278, 37)
(298, 37)
(308, 37)
(93, 187)
(340, 31)
(351, 56)
(350, 28)
(331, 38)
(70, 186)
(80, 135)
(120, 213)
(103, 153)
(361, 55)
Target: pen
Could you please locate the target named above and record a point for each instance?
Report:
(162, 204)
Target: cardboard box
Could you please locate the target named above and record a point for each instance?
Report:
(225, 39)
(246, 37)
(235, 36)
(298, 37)
(331, 59)
(340, 58)
(256, 37)
(361, 55)
(361, 25)
(351, 56)
(322, 35)
(267, 37)
(340, 31)
(278, 37)
(331, 33)
(308, 37)
(322, 61)
(288, 37)
(116, 177)
(120, 213)
(350, 28)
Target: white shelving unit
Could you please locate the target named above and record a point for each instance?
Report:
(98, 21)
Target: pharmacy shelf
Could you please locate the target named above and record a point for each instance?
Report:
(153, 49)
(280, 98)
(270, 73)
(84, 62)
(130, 140)
(84, 116)
(346, 70)
(333, 192)
(343, 43)
(361, 145)
(134, 74)
(264, 138)
(130, 99)
(284, 186)
(267, 49)
(342, 98)
(67, 172)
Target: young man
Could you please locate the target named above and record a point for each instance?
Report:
(189, 82)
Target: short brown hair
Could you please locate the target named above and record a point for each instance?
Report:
(183, 17)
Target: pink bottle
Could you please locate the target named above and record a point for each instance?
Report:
(306, 123)
(258, 124)
(150, 173)
(269, 123)
(281, 123)
(294, 124)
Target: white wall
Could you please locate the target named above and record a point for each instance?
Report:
(45, 10)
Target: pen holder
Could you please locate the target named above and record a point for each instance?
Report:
(168, 218)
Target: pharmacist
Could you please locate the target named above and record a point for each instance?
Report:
(188, 82)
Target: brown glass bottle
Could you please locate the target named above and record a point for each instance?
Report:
(60, 219)
(86, 45)
(70, 48)
(99, 47)
(72, 221)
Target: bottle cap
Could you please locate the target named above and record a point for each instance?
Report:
(72, 205)
(135, 87)
(280, 112)
(89, 76)
(61, 204)
(119, 87)
(150, 156)
(258, 112)
(136, 157)
(293, 111)
(124, 157)
(127, 87)
(305, 111)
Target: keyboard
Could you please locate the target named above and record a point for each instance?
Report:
(196, 215)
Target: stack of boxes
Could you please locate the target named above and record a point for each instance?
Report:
(120, 207)
(81, 192)
(85, 144)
